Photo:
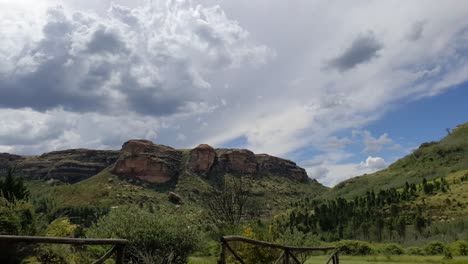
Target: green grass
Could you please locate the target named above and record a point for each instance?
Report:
(430, 160)
(390, 259)
(365, 259)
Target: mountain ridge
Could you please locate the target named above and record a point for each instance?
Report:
(144, 160)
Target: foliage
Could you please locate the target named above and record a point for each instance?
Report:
(11, 187)
(434, 248)
(154, 237)
(391, 249)
(16, 218)
(415, 251)
(226, 204)
(431, 160)
(60, 227)
(295, 237)
(58, 253)
(251, 253)
(459, 248)
(354, 247)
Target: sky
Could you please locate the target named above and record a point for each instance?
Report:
(342, 88)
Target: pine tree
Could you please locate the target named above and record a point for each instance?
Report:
(12, 188)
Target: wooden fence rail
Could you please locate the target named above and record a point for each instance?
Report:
(287, 255)
(118, 244)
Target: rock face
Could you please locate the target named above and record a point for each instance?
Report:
(144, 160)
(68, 165)
(7, 159)
(276, 166)
(147, 161)
(201, 159)
(237, 161)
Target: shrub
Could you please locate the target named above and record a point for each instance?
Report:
(354, 247)
(391, 249)
(415, 251)
(254, 254)
(16, 218)
(153, 237)
(58, 253)
(295, 237)
(434, 248)
(459, 248)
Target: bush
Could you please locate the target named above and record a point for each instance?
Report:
(459, 248)
(391, 249)
(295, 237)
(434, 248)
(58, 253)
(16, 218)
(415, 251)
(153, 237)
(354, 247)
(254, 254)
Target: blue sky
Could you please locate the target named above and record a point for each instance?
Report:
(341, 88)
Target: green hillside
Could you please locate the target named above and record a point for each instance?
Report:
(420, 198)
(271, 194)
(431, 160)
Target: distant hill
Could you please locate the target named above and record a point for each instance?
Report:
(431, 160)
(144, 173)
(420, 198)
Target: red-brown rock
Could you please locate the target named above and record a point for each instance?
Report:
(69, 166)
(281, 167)
(174, 197)
(201, 159)
(147, 161)
(237, 161)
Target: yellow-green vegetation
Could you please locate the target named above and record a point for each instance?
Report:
(416, 211)
(392, 260)
(431, 160)
(359, 259)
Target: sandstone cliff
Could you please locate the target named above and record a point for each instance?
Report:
(68, 165)
(147, 161)
(144, 160)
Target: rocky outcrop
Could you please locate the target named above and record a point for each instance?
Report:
(201, 159)
(147, 161)
(276, 166)
(144, 160)
(68, 165)
(7, 160)
(237, 161)
(174, 197)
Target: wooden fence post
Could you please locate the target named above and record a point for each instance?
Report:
(223, 253)
(286, 256)
(120, 255)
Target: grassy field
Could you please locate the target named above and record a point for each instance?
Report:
(368, 259)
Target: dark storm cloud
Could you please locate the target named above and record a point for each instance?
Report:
(105, 41)
(362, 50)
(416, 31)
(148, 61)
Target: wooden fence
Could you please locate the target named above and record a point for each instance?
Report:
(287, 256)
(118, 244)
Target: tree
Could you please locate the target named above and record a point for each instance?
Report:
(12, 187)
(227, 204)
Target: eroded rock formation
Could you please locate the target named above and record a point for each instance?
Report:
(276, 166)
(67, 165)
(201, 159)
(144, 160)
(147, 161)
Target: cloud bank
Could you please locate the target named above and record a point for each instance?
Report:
(234, 73)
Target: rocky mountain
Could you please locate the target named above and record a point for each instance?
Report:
(67, 165)
(153, 163)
